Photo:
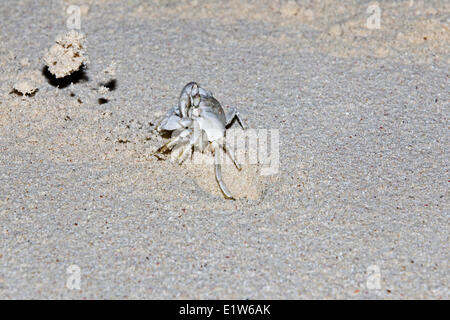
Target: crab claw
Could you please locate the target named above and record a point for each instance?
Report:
(174, 122)
(170, 123)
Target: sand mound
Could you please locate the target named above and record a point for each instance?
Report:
(67, 55)
(27, 83)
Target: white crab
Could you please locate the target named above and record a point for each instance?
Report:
(199, 122)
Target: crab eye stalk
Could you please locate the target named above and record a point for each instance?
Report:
(194, 89)
(196, 101)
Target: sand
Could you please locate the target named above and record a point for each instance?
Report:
(67, 55)
(357, 210)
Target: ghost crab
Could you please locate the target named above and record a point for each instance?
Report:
(199, 122)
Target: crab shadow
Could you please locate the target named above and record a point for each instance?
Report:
(111, 84)
(75, 77)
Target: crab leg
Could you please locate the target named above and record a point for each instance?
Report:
(185, 153)
(165, 147)
(218, 172)
(238, 166)
(169, 145)
(196, 135)
(234, 113)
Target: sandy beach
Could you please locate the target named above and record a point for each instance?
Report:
(357, 208)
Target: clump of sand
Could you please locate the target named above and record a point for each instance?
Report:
(290, 8)
(27, 83)
(67, 55)
(25, 87)
(111, 70)
(24, 62)
(107, 83)
(335, 30)
(104, 91)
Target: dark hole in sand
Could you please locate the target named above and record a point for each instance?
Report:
(102, 101)
(75, 77)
